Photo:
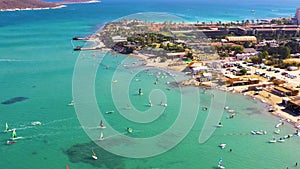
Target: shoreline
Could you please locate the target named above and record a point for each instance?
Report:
(84, 2)
(32, 9)
(271, 100)
(265, 97)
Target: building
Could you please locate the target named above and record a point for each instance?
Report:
(285, 91)
(293, 105)
(247, 54)
(297, 16)
(251, 39)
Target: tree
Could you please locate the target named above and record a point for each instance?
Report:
(263, 55)
(256, 60)
(190, 55)
(285, 52)
(247, 44)
(243, 71)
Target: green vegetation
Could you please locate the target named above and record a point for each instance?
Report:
(243, 71)
(224, 51)
(156, 40)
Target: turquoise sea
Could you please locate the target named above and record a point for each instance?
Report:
(37, 62)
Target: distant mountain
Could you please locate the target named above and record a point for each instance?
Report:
(22, 4)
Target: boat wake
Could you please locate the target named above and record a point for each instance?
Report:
(58, 121)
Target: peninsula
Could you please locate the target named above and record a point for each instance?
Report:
(16, 5)
(25, 4)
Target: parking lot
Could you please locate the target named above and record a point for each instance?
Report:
(267, 72)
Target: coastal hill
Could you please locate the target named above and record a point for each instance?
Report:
(22, 4)
(29, 4)
(77, 1)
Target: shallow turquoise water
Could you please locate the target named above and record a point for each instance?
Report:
(37, 61)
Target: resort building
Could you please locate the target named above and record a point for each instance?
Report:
(119, 39)
(247, 54)
(285, 91)
(293, 105)
(251, 39)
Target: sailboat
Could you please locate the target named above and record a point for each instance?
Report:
(101, 136)
(102, 125)
(140, 92)
(220, 164)
(150, 103)
(7, 128)
(94, 155)
(14, 135)
(71, 103)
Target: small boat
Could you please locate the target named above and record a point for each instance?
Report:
(129, 130)
(273, 140)
(279, 124)
(94, 155)
(259, 133)
(102, 125)
(71, 103)
(281, 140)
(150, 103)
(277, 131)
(109, 112)
(220, 165)
(222, 145)
(101, 136)
(140, 92)
(230, 111)
(226, 107)
(36, 123)
(220, 125)
(163, 104)
(231, 116)
(77, 48)
(115, 81)
(10, 142)
(253, 132)
(288, 136)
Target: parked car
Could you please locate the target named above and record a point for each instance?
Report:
(262, 74)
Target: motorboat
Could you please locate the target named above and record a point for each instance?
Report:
(36, 123)
(220, 125)
(222, 145)
(273, 141)
(277, 131)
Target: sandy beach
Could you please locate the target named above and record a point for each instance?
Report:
(176, 64)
